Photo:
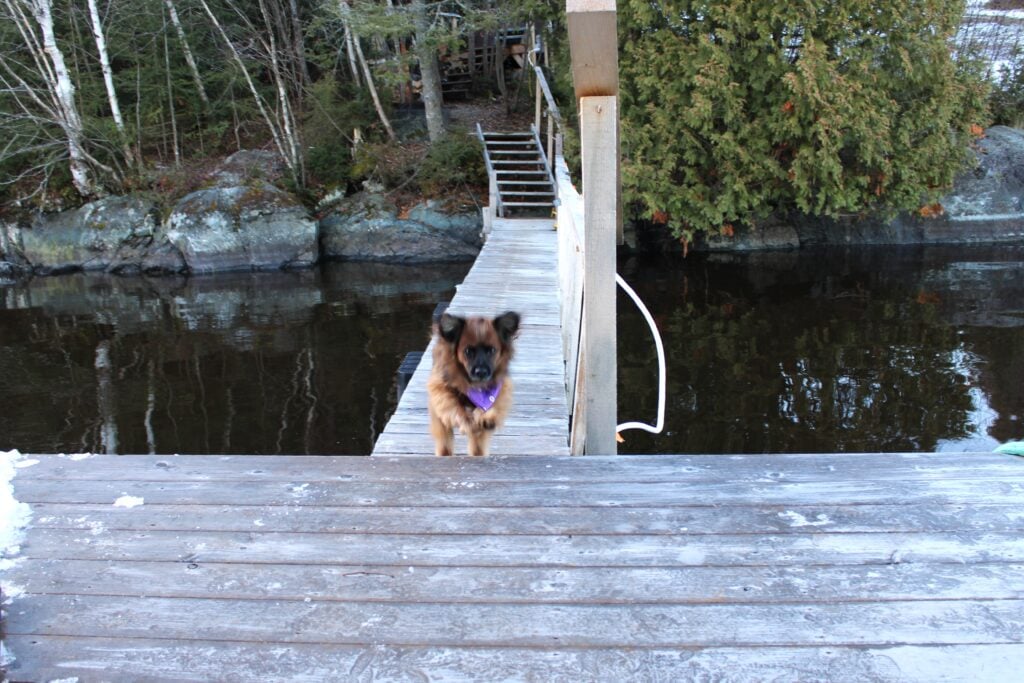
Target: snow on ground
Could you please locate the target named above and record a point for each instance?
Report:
(14, 517)
(996, 34)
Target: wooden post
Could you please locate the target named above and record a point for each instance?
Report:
(599, 144)
(593, 44)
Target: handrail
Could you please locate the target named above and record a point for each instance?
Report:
(492, 176)
(555, 124)
(547, 163)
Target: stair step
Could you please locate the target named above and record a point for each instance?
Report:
(527, 136)
(524, 182)
(515, 172)
(511, 142)
(514, 193)
(507, 204)
(506, 162)
(515, 152)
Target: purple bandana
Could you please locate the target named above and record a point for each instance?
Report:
(484, 397)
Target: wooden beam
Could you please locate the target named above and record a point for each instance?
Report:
(599, 145)
(593, 44)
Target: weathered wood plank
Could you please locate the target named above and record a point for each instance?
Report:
(471, 493)
(520, 585)
(693, 469)
(527, 550)
(963, 622)
(607, 521)
(160, 660)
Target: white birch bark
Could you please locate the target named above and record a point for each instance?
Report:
(187, 51)
(275, 132)
(345, 11)
(108, 81)
(286, 117)
(61, 89)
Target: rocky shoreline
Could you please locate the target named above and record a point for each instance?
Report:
(239, 222)
(242, 222)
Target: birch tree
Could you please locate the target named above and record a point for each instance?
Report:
(186, 51)
(45, 91)
(108, 81)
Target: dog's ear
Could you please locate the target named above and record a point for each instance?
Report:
(507, 325)
(450, 327)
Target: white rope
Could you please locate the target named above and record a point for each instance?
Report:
(661, 364)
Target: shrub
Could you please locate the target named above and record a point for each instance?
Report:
(454, 161)
(732, 111)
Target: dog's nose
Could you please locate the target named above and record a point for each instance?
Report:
(481, 373)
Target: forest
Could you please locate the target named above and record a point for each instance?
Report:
(732, 111)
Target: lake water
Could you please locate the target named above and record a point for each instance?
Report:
(867, 349)
(861, 350)
(300, 362)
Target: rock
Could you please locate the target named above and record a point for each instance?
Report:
(248, 165)
(366, 227)
(114, 234)
(986, 205)
(244, 227)
(761, 238)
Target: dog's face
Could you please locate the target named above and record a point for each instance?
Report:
(481, 347)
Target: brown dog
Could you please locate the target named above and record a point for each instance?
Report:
(469, 387)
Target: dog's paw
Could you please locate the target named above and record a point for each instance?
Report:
(483, 420)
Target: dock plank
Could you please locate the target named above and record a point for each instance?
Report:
(131, 660)
(830, 567)
(515, 270)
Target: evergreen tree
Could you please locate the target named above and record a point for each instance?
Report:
(734, 110)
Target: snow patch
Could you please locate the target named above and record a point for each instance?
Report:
(796, 519)
(76, 456)
(14, 516)
(128, 502)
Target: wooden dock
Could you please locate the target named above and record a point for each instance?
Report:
(517, 270)
(642, 568)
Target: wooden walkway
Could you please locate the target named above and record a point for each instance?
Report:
(517, 269)
(649, 568)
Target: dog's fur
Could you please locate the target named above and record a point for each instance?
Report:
(469, 353)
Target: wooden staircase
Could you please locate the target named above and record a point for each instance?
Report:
(525, 186)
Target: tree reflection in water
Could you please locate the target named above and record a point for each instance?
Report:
(300, 362)
(872, 349)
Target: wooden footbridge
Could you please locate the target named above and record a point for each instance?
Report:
(873, 567)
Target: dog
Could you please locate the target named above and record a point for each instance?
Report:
(469, 387)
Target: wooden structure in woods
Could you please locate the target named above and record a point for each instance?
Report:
(877, 567)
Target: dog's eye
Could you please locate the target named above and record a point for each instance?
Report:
(488, 350)
(469, 352)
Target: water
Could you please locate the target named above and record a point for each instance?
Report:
(877, 349)
(867, 349)
(300, 362)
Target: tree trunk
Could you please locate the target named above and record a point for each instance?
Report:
(62, 90)
(187, 51)
(271, 124)
(290, 130)
(429, 72)
(366, 72)
(170, 102)
(108, 82)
